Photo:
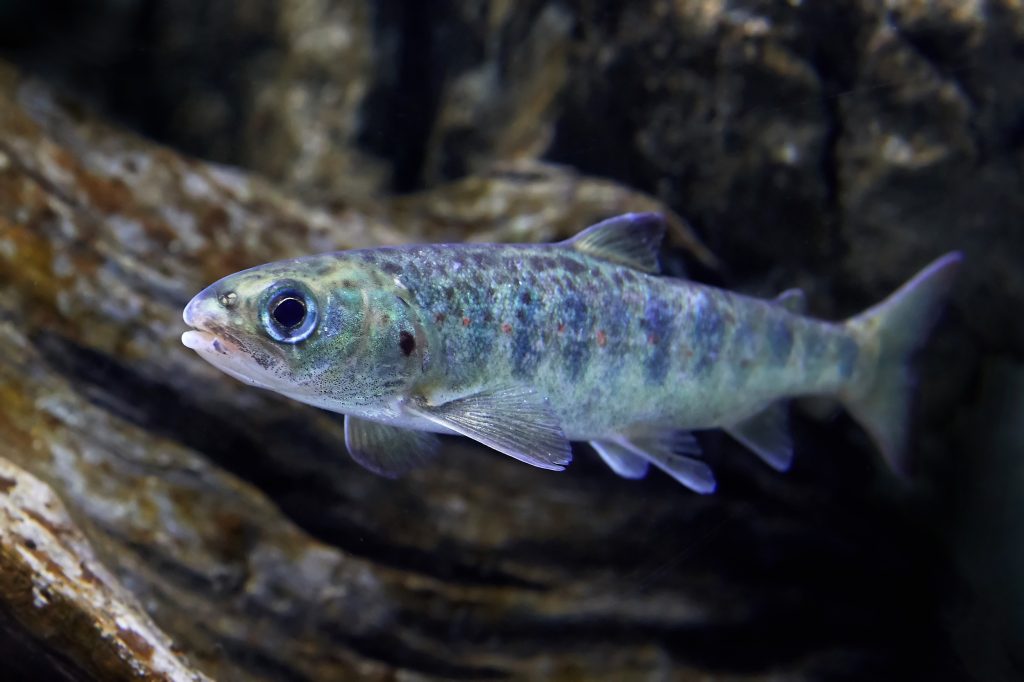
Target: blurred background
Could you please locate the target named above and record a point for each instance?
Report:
(162, 519)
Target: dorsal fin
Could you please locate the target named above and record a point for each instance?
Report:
(631, 239)
(793, 300)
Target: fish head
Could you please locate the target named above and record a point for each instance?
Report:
(327, 330)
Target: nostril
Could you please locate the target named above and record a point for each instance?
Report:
(228, 299)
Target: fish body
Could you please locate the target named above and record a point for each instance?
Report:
(528, 347)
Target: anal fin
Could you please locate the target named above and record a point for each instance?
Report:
(767, 434)
(388, 450)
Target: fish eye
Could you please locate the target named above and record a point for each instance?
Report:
(290, 314)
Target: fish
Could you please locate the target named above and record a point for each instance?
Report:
(526, 348)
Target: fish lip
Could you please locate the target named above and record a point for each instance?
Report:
(198, 339)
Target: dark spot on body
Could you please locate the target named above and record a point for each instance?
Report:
(575, 348)
(520, 314)
(6, 484)
(708, 333)
(573, 266)
(780, 340)
(848, 352)
(407, 342)
(479, 259)
(488, 316)
(369, 257)
(449, 293)
(544, 263)
(659, 323)
(526, 298)
(348, 284)
(30, 543)
(439, 318)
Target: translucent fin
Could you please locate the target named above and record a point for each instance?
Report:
(622, 461)
(693, 473)
(678, 442)
(388, 450)
(767, 435)
(631, 239)
(516, 421)
(897, 326)
(793, 300)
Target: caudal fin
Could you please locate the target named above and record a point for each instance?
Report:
(897, 327)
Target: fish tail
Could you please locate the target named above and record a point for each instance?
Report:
(879, 397)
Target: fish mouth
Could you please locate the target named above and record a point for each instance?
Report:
(205, 337)
(200, 340)
(224, 353)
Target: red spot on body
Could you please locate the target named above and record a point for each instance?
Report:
(601, 338)
(506, 327)
(687, 352)
(465, 322)
(652, 339)
(561, 327)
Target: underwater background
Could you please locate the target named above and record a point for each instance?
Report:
(159, 520)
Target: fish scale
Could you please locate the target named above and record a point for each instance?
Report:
(526, 347)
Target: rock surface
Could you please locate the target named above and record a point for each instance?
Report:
(836, 148)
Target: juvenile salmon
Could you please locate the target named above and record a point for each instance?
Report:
(525, 348)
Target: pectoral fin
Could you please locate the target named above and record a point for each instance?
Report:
(388, 450)
(673, 452)
(516, 421)
(767, 435)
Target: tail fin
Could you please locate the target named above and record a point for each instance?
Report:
(898, 325)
